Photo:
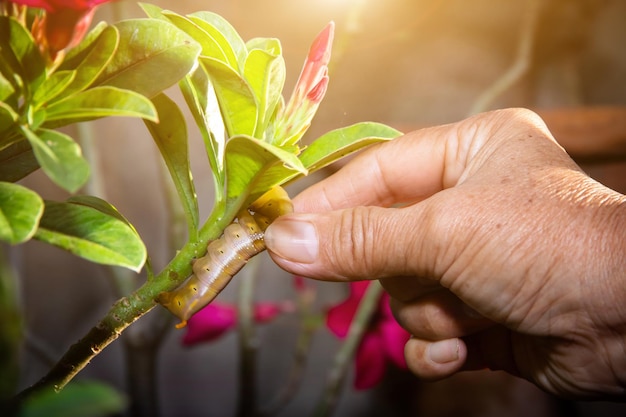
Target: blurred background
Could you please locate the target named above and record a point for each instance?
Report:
(406, 63)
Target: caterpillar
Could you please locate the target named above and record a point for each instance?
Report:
(226, 255)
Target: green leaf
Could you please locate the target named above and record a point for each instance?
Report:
(77, 54)
(8, 118)
(200, 97)
(20, 54)
(170, 135)
(328, 148)
(275, 175)
(152, 11)
(60, 157)
(210, 46)
(247, 160)
(270, 45)
(17, 160)
(237, 103)
(100, 205)
(20, 211)
(6, 88)
(265, 73)
(78, 399)
(338, 143)
(99, 102)
(53, 86)
(153, 61)
(91, 234)
(225, 34)
(90, 58)
(35, 118)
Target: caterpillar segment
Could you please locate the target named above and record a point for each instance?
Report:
(225, 256)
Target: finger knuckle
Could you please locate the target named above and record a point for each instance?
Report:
(354, 243)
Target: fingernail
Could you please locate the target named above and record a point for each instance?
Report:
(444, 351)
(293, 240)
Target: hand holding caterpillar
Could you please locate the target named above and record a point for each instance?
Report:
(226, 255)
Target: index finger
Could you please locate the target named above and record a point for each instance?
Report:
(372, 177)
(412, 167)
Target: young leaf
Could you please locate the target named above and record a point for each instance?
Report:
(237, 103)
(274, 175)
(91, 60)
(60, 157)
(247, 160)
(53, 86)
(91, 234)
(200, 97)
(77, 54)
(340, 142)
(170, 135)
(210, 47)
(152, 62)
(225, 34)
(99, 102)
(327, 149)
(270, 45)
(152, 11)
(20, 53)
(265, 73)
(20, 211)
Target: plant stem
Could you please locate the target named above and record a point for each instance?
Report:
(343, 358)
(142, 341)
(248, 341)
(521, 64)
(142, 344)
(128, 309)
(142, 379)
(310, 322)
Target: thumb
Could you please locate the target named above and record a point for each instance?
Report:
(345, 245)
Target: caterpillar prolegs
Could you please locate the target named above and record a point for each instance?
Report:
(226, 255)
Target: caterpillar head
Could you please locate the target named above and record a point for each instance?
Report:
(272, 204)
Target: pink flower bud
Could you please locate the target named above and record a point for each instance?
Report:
(295, 118)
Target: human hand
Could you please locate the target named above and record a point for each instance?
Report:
(497, 251)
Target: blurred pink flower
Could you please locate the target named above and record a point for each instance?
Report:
(65, 23)
(296, 116)
(383, 342)
(56, 5)
(214, 320)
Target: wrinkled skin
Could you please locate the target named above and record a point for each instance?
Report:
(499, 251)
